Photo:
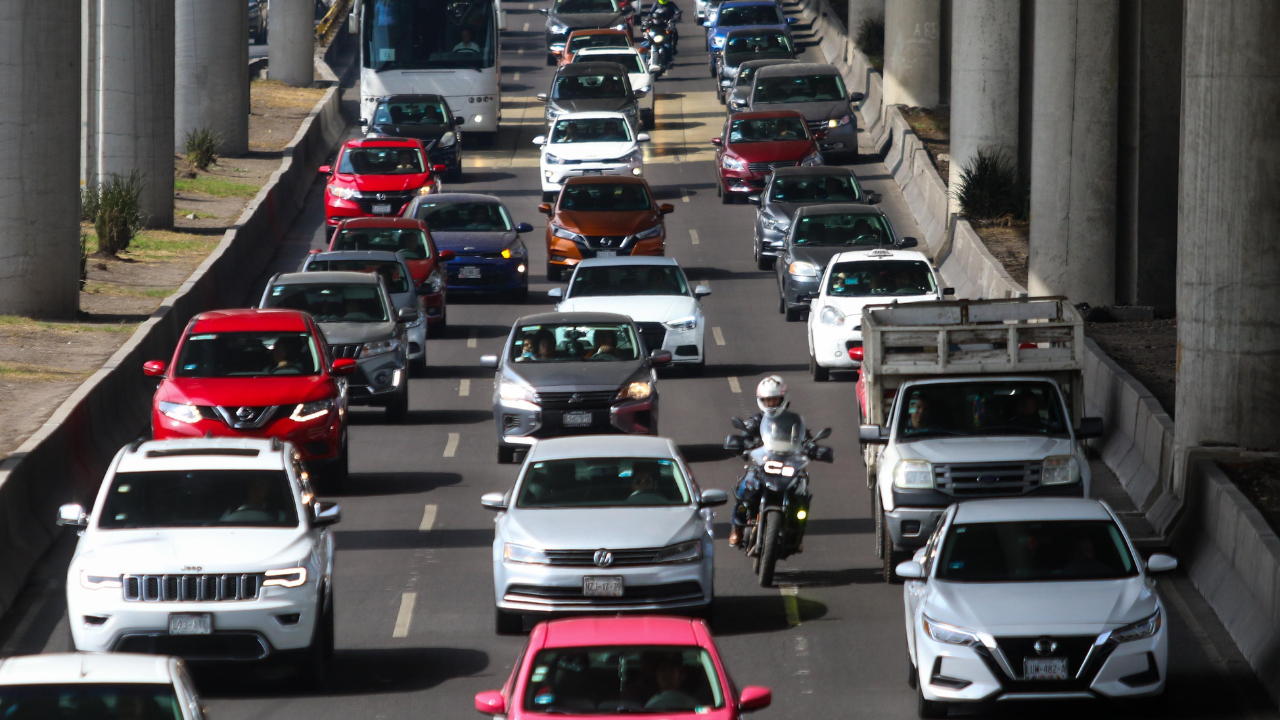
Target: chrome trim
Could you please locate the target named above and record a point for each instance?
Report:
(989, 642)
(1075, 695)
(1101, 640)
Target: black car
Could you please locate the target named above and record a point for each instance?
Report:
(750, 44)
(565, 16)
(426, 118)
(789, 189)
(593, 87)
(815, 90)
(819, 233)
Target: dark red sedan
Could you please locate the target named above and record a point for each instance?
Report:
(754, 143)
(411, 239)
(377, 177)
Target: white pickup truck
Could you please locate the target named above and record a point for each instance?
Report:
(969, 399)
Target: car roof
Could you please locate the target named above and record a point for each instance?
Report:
(333, 276)
(383, 222)
(815, 170)
(641, 630)
(591, 446)
(379, 255)
(874, 255)
(589, 68)
(250, 319)
(384, 142)
(1023, 509)
(630, 260)
(447, 198)
(238, 453)
(86, 668)
(598, 31)
(840, 208)
(760, 114)
(788, 69)
(561, 318)
(746, 3)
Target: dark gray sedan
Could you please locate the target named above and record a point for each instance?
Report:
(815, 91)
(565, 16)
(788, 189)
(593, 87)
(575, 373)
(739, 90)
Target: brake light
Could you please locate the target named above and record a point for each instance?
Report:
(855, 354)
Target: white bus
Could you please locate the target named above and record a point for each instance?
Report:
(441, 47)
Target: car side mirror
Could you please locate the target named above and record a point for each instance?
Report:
(948, 292)
(660, 357)
(1160, 562)
(642, 137)
(824, 454)
(343, 366)
(910, 570)
(543, 11)
(459, 120)
(72, 515)
(735, 443)
(542, 97)
(857, 97)
(666, 208)
(792, 20)
(447, 255)
(713, 498)
(872, 435)
(754, 697)
(491, 702)
(325, 169)
(489, 361)
(524, 228)
(407, 315)
(1090, 428)
(873, 198)
(540, 140)
(493, 501)
(545, 209)
(908, 242)
(326, 514)
(641, 92)
(439, 168)
(706, 23)
(154, 368)
(701, 291)
(753, 199)
(556, 293)
(718, 142)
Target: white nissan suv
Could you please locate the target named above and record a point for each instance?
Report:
(211, 549)
(588, 143)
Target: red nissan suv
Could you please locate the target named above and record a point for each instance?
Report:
(377, 177)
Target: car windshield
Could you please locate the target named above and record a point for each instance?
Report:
(393, 272)
(628, 60)
(839, 229)
(767, 130)
(748, 15)
(381, 161)
(588, 130)
(428, 34)
(881, 278)
(590, 87)
(647, 679)
(573, 7)
(600, 342)
(1035, 551)
(607, 280)
(411, 113)
(982, 408)
(603, 482)
(409, 244)
(89, 701)
(815, 189)
(248, 354)
(330, 302)
(199, 498)
(764, 43)
(799, 88)
(578, 42)
(464, 217)
(604, 197)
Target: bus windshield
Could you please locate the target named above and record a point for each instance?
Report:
(416, 34)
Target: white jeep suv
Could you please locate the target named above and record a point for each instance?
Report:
(206, 549)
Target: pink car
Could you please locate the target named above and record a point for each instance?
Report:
(608, 666)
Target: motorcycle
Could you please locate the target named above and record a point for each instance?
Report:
(775, 528)
(660, 51)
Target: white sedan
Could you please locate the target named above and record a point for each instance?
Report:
(637, 74)
(589, 143)
(853, 280)
(653, 291)
(1032, 598)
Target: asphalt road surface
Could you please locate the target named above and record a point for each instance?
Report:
(414, 590)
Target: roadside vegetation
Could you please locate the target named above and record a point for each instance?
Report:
(870, 40)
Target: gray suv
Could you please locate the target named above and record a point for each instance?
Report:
(593, 87)
(815, 91)
(789, 189)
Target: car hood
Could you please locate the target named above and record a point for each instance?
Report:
(253, 392)
(642, 308)
(591, 150)
(587, 20)
(818, 255)
(474, 242)
(772, 151)
(352, 333)
(824, 110)
(385, 183)
(984, 449)
(605, 223)
(577, 376)
(428, 134)
(613, 528)
(595, 104)
(1046, 608)
(213, 550)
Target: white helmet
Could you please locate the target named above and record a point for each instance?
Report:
(771, 395)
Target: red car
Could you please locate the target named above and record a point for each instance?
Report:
(412, 239)
(377, 177)
(255, 373)
(754, 143)
(608, 666)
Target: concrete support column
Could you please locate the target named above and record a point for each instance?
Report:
(293, 42)
(1073, 164)
(1229, 227)
(39, 192)
(911, 55)
(860, 10)
(131, 90)
(211, 72)
(984, 81)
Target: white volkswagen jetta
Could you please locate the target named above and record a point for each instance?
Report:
(637, 74)
(589, 143)
(204, 548)
(1032, 599)
(653, 291)
(88, 685)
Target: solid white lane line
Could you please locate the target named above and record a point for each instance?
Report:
(405, 617)
(733, 385)
(451, 447)
(790, 604)
(530, 6)
(684, 194)
(428, 518)
(719, 336)
(464, 387)
(526, 25)
(693, 235)
(471, 339)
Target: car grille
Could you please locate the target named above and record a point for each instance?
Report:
(689, 591)
(243, 417)
(653, 334)
(770, 166)
(1074, 647)
(395, 199)
(587, 558)
(816, 125)
(605, 242)
(191, 587)
(345, 351)
(987, 479)
(585, 400)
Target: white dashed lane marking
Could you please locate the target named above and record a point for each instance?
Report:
(693, 236)
(464, 387)
(719, 336)
(789, 602)
(451, 447)
(471, 339)
(428, 518)
(516, 76)
(733, 385)
(405, 617)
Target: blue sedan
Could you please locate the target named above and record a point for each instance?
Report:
(489, 256)
(740, 14)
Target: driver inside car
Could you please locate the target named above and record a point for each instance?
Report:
(466, 44)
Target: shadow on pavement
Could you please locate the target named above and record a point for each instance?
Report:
(394, 483)
(752, 614)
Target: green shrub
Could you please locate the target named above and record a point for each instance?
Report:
(84, 259)
(119, 215)
(88, 203)
(988, 188)
(870, 39)
(202, 147)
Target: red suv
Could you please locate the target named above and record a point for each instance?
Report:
(754, 143)
(255, 373)
(411, 239)
(377, 177)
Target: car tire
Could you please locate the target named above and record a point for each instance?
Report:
(506, 455)
(398, 406)
(552, 60)
(913, 679)
(763, 262)
(819, 373)
(554, 273)
(891, 557)
(418, 368)
(929, 709)
(313, 666)
(505, 623)
(793, 314)
(646, 119)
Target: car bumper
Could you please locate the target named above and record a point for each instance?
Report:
(493, 275)
(377, 380)
(553, 176)
(335, 210)
(742, 182)
(830, 345)
(523, 423)
(841, 138)
(316, 440)
(567, 253)
(536, 589)
(797, 285)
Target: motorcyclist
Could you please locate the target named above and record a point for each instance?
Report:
(667, 11)
(777, 423)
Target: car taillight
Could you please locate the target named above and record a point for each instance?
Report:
(855, 354)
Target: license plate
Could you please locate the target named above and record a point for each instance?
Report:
(602, 586)
(190, 623)
(592, 172)
(577, 419)
(382, 209)
(606, 253)
(469, 272)
(1044, 668)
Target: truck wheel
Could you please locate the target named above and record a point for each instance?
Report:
(819, 373)
(506, 455)
(891, 557)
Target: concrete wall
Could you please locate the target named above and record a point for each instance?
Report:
(210, 90)
(912, 35)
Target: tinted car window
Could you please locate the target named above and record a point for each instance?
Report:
(596, 342)
(409, 244)
(248, 354)
(604, 197)
(410, 113)
(748, 15)
(1036, 551)
(853, 229)
(982, 408)
(89, 701)
(630, 61)
(767, 130)
(392, 272)
(615, 680)
(464, 217)
(590, 87)
(814, 189)
(604, 281)
(597, 40)
(381, 161)
(764, 43)
(331, 302)
(883, 278)
(798, 88)
(199, 498)
(585, 6)
(603, 482)
(591, 130)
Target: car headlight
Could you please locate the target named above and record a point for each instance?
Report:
(553, 159)
(381, 347)
(89, 581)
(633, 156)
(652, 232)
(553, 112)
(775, 224)
(1059, 470)
(311, 410)
(812, 159)
(659, 38)
(516, 250)
(831, 316)
(563, 233)
(288, 577)
(1140, 630)
(620, 26)
(730, 162)
(913, 474)
(515, 392)
(684, 323)
(427, 189)
(435, 281)
(801, 268)
(717, 42)
(681, 552)
(635, 391)
(344, 193)
(448, 140)
(556, 28)
(837, 122)
(522, 554)
(180, 412)
(950, 634)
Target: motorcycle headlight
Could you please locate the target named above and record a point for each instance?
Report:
(801, 268)
(913, 474)
(652, 232)
(681, 552)
(287, 577)
(730, 162)
(344, 193)
(556, 28)
(1059, 470)
(89, 581)
(553, 159)
(659, 38)
(684, 323)
(311, 410)
(635, 391)
(1140, 630)
(381, 347)
(448, 140)
(563, 233)
(831, 316)
(435, 282)
(812, 159)
(523, 554)
(180, 412)
(950, 634)
(514, 392)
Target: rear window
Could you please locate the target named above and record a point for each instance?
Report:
(630, 61)
(578, 42)
(331, 303)
(90, 701)
(748, 15)
(392, 272)
(409, 244)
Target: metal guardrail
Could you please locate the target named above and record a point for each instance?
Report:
(332, 21)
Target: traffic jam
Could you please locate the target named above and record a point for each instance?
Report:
(213, 538)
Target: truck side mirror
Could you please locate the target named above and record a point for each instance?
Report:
(1090, 428)
(908, 242)
(873, 435)
(948, 291)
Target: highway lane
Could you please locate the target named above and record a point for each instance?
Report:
(413, 584)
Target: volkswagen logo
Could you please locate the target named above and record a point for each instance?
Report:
(1043, 646)
(245, 413)
(382, 196)
(577, 398)
(604, 558)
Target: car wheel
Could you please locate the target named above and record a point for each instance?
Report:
(720, 97)
(554, 273)
(398, 406)
(506, 455)
(913, 678)
(891, 557)
(793, 314)
(927, 709)
(552, 60)
(725, 197)
(763, 262)
(646, 117)
(819, 373)
(418, 368)
(313, 666)
(505, 623)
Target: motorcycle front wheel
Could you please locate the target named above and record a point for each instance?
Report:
(771, 535)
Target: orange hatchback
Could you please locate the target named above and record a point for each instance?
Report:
(603, 216)
(604, 37)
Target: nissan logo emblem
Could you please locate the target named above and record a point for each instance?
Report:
(604, 558)
(245, 413)
(1043, 646)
